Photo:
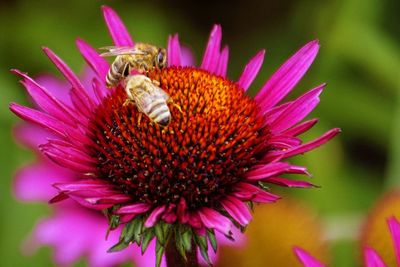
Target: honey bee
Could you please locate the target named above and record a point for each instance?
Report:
(141, 57)
(149, 98)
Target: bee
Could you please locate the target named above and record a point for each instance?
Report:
(141, 57)
(149, 99)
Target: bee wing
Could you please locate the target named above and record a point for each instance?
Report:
(120, 50)
(147, 94)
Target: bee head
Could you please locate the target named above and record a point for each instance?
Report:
(161, 58)
(165, 121)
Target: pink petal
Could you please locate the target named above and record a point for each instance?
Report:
(134, 208)
(223, 62)
(86, 238)
(271, 114)
(264, 171)
(154, 216)
(372, 259)
(237, 209)
(288, 182)
(187, 57)
(394, 227)
(69, 75)
(99, 91)
(174, 51)
(45, 100)
(116, 27)
(301, 128)
(31, 135)
(39, 118)
(297, 110)
(305, 258)
(287, 76)
(249, 192)
(211, 55)
(313, 144)
(98, 64)
(283, 141)
(34, 182)
(251, 70)
(214, 220)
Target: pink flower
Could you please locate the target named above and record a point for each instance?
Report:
(191, 179)
(371, 258)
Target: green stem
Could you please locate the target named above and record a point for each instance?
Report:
(175, 259)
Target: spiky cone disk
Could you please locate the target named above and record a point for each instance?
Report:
(199, 175)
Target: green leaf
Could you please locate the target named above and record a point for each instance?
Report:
(179, 244)
(213, 240)
(148, 235)
(137, 232)
(159, 253)
(118, 247)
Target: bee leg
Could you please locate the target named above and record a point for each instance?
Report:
(170, 101)
(139, 118)
(157, 83)
(127, 102)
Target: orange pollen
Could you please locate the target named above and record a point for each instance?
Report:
(215, 135)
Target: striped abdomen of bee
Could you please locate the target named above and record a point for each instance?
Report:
(119, 70)
(149, 99)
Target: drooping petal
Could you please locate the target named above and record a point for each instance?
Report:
(98, 64)
(288, 182)
(237, 209)
(116, 27)
(313, 144)
(305, 258)
(394, 227)
(251, 70)
(223, 62)
(287, 76)
(212, 52)
(301, 128)
(264, 171)
(372, 259)
(214, 220)
(134, 208)
(154, 216)
(297, 110)
(39, 118)
(249, 192)
(174, 51)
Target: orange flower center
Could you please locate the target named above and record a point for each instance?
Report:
(211, 141)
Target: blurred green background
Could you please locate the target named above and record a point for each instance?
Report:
(359, 58)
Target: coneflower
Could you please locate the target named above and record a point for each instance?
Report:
(199, 175)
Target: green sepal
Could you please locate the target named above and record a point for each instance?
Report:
(119, 246)
(187, 239)
(132, 231)
(213, 240)
(159, 253)
(159, 233)
(179, 246)
(113, 223)
(147, 236)
(201, 241)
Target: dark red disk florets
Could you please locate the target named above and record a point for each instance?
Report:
(200, 155)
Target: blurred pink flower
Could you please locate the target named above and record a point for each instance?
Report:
(371, 258)
(200, 172)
